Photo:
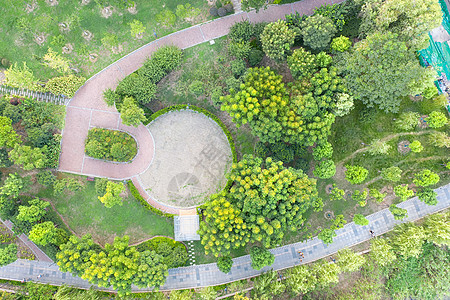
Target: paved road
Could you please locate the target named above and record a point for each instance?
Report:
(87, 108)
(285, 257)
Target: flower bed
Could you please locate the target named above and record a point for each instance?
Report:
(110, 145)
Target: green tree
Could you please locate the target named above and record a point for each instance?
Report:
(137, 29)
(8, 137)
(266, 286)
(439, 139)
(341, 44)
(21, 77)
(360, 197)
(207, 293)
(64, 85)
(403, 192)
(398, 212)
(323, 150)
(34, 212)
(416, 146)
(326, 273)
(131, 113)
(407, 120)
(426, 178)
(112, 195)
(436, 119)
(382, 70)
(110, 97)
(379, 197)
(317, 32)
(225, 263)
(302, 63)
(410, 20)
(424, 277)
(338, 222)
(392, 174)
(381, 251)
(8, 254)
(378, 147)
(408, 240)
(277, 39)
(344, 104)
(349, 261)
(14, 184)
(43, 233)
(355, 174)
(30, 158)
(261, 257)
(428, 196)
(325, 169)
(109, 40)
(326, 235)
(300, 280)
(360, 220)
(437, 228)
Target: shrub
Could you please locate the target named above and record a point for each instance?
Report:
(439, 139)
(166, 18)
(197, 88)
(254, 57)
(162, 61)
(426, 178)
(100, 185)
(378, 147)
(131, 114)
(326, 236)
(229, 8)
(360, 197)
(110, 97)
(45, 178)
(323, 60)
(222, 12)
(429, 105)
(355, 174)
(239, 50)
(112, 194)
(277, 40)
(403, 192)
(392, 174)
(238, 67)
(325, 169)
(225, 263)
(174, 253)
(379, 197)
(407, 120)
(64, 85)
(428, 196)
(337, 194)
(341, 44)
(397, 212)
(213, 11)
(216, 93)
(360, 220)
(241, 32)
(317, 32)
(8, 254)
(436, 119)
(344, 104)
(416, 146)
(99, 141)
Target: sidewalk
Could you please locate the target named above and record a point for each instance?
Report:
(285, 257)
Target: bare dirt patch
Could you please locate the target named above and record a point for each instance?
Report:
(403, 148)
(30, 7)
(132, 10)
(41, 38)
(51, 2)
(87, 35)
(85, 2)
(67, 49)
(107, 12)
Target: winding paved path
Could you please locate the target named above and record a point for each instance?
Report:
(285, 257)
(87, 108)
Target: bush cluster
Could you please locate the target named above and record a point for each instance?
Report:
(110, 145)
(174, 253)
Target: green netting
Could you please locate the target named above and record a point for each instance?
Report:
(438, 54)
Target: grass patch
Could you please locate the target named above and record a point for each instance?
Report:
(84, 214)
(22, 25)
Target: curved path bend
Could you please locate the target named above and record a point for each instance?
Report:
(285, 257)
(87, 108)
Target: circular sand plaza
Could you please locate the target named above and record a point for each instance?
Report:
(191, 157)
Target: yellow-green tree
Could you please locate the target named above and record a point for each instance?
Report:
(112, 194)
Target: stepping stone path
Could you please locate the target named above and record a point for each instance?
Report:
(191, 252)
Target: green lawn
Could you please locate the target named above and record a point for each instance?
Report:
(84, 214)
(21, 28)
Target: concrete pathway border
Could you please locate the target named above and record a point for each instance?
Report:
(285, 257)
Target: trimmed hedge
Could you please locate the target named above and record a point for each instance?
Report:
(209, 115)
(134, 191)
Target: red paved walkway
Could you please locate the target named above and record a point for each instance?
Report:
(87, 108)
